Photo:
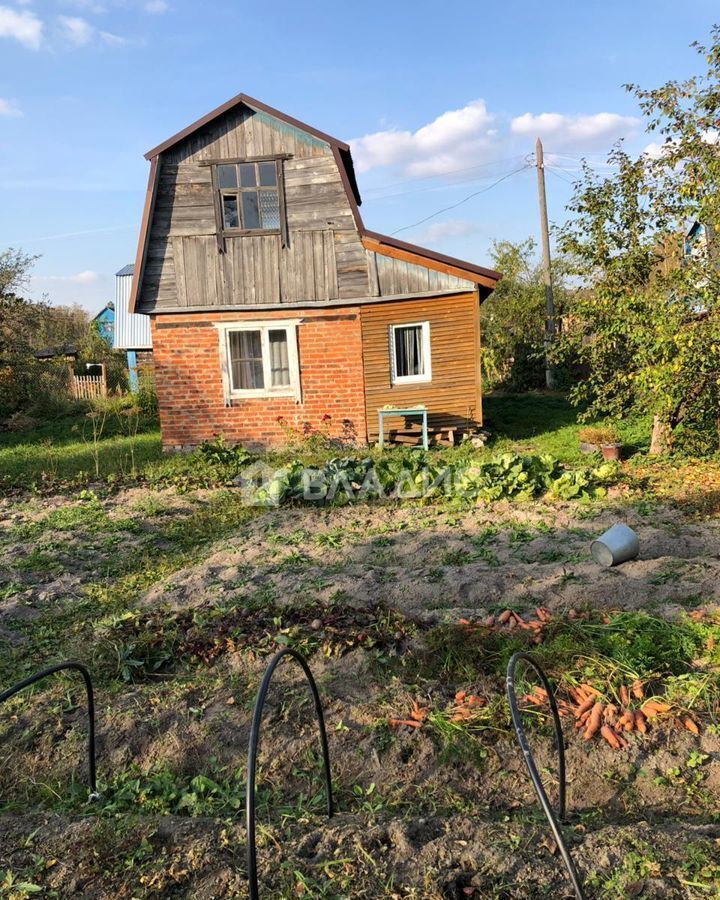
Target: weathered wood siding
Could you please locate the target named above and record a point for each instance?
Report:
(325, 259)
(390, 277)
(454, 395)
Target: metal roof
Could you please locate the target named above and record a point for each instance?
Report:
(126, 270)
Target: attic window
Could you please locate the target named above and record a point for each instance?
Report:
(250, 196)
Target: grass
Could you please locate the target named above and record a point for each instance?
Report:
(547, 423)
(62, 451)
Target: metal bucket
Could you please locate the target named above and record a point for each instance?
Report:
(617, 545)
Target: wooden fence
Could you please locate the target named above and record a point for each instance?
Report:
(88, 387)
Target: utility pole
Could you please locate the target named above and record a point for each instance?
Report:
(547, 274)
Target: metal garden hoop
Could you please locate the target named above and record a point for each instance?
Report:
(253, 751)
(51, 670)
(532, 768)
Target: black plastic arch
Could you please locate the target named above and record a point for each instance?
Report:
(253, 752)
(51, 670)
(532, 768)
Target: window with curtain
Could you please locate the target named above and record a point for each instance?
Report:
(410, 352)
(260, 359)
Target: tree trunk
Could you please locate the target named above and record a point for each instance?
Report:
(660, 439)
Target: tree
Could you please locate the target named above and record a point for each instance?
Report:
(646, 324)
(513, 317)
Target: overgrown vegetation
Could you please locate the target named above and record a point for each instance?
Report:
(645, 322)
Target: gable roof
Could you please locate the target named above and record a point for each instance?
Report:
(372, 240)
(126, 270)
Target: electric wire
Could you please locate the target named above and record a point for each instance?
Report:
(253, 753)
(532, 768)
(372, 193)
(464, 200)
(51, 670)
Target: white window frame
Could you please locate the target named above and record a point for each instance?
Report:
(225, 329)
(411, 379)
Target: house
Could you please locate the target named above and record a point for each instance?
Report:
(272, 306)
(105, 322)
(132, 331)
(698, 240)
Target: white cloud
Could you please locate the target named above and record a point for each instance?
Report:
(112, 40)
(86, 277)
(440, 232)
(156, 7)
(76, 29)
(473, 136)
(80, 32)
(460, 137)
(9, 108)
(577, 132)
(22, 26)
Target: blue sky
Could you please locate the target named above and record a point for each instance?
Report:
(438, 100)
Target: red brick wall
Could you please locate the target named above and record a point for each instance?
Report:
(186, 356)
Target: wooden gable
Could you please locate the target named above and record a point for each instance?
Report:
(322, 256)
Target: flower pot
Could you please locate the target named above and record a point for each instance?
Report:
(610, 451)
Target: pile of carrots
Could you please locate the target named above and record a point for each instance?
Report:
(465, 708)
(610, 720)
(509, 619)
(418, 714)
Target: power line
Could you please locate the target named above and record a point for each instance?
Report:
(555, 170)
(464, 200)
(392, 184)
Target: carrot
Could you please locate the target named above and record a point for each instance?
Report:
(626, 720)
(504, 616)
(640, 722)
(583, 719)
(395, 723)
(419, 713)
(584, 707)
(690, 725)
(542, 614)
(590, 690)
(577, 696)
(610, 736)
(460, 696)
(610, 714)
(489, 622)
(594, 722)
(624, 696)
(653, 708)
(637, 689)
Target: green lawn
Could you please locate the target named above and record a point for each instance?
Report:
(63, 449)
(547, 423)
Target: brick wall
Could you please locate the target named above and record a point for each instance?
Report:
(186, 358)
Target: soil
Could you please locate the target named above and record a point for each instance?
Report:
(419, 817)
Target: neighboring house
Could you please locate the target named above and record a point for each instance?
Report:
(272, 306)
(698, 240)
(132, 331)
(105, 321)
